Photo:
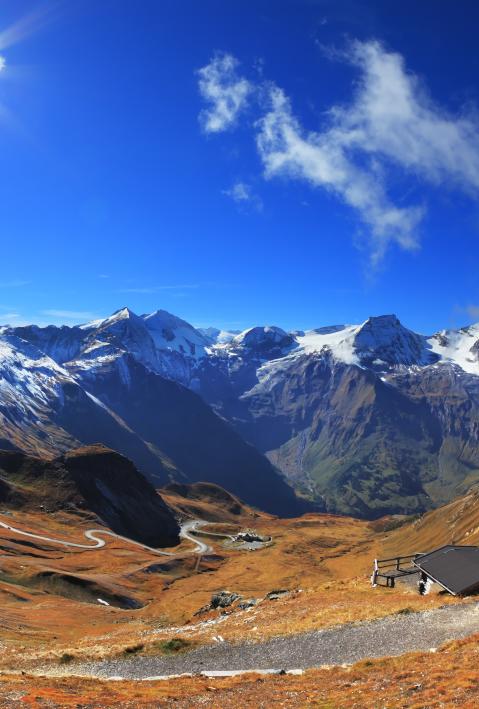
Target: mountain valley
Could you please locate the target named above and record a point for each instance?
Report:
(366, 420)
(69, 609)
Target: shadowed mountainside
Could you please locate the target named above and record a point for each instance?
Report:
(93, 478)
(367, 419)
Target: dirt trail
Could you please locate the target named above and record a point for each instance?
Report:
(394, 635)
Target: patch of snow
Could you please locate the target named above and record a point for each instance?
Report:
(29, 381)
(97, 401)
(259, 336)
(454, 346)
(94, 346)
(217, 336)
(338, 339)
(171, 333)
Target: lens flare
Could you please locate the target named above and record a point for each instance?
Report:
(30, 24)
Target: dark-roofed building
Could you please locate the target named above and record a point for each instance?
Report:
(455, 568)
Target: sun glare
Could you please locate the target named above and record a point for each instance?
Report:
(29, 24)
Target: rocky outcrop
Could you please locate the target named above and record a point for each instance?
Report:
(123, 498)
(92, 478)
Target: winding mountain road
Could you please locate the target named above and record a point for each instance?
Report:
(192, 525)
(349, 643)
(93, 534)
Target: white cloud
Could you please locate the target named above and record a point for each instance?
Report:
(240, 192)
(224, 91)
(390, 120)
(392, 115)
(243, 195)
(286, 149)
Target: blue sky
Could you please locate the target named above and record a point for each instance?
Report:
(290, 162)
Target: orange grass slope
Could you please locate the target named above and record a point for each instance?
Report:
(447, 678)
(454, 523)
(50, 595)
(210, 502)
(318, 558)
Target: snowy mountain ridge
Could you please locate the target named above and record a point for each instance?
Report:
(379, 343)
(172, 347)
(369, 419)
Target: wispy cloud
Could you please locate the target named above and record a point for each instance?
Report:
(243, 195)
(390, 120)
(321, 160)
(473, 312)
(13, 318)
(225, 93)
(76, 315)
(14, 284)
(158, 289)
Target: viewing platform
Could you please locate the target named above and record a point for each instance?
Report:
(394, 568)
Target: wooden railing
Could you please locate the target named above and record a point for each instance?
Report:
(394, 564)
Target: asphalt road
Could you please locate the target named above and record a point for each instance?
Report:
(191, 526)
(94, 535)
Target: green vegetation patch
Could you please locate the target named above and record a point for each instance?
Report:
(173, 646)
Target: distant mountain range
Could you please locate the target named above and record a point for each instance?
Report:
(365, 419)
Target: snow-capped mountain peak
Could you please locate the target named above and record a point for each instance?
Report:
(384, 340)
(217, 336)
(337, 339)
(460, 347)
(121, 315)
(171, 333)
(379, 342)
(259, 336)
(170, 346)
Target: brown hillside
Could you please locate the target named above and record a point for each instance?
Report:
(94, 479)
(209, 502)
(454, 523)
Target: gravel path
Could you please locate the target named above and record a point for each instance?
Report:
(343, 644)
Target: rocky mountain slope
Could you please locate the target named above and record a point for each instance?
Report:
(114, 398)
(370, 419)
(94, 479)
(365, 419)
